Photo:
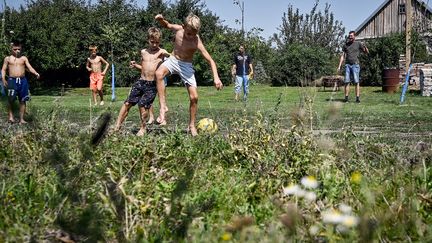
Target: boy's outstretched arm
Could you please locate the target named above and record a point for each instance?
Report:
(217, 82)
(162, 21)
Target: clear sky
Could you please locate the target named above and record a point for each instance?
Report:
(267, 14)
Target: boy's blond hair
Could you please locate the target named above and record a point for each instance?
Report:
(154, 33)
(193, 21)
(93, 47)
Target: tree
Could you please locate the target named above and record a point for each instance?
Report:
(306, 46)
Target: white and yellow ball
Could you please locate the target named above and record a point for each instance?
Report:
(207, 125)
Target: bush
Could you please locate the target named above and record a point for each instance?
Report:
(298, 64)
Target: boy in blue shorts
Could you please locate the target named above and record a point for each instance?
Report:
(16, 83)
(143, 91)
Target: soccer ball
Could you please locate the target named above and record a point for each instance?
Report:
(207, 125)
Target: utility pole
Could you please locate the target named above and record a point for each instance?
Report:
(113, 96)
(241, 6)
(408, 28)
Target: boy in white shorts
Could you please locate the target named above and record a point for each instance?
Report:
(186, 43)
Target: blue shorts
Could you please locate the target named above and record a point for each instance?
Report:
(18, 87)
(352, 73)
(142, 93)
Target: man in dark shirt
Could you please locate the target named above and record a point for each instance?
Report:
(242, 70)
(351, 51)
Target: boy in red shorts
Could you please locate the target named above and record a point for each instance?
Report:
(94, 66)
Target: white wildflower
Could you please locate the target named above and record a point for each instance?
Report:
(332, 217)
(350, 221)
(309, 182)
(310, 196)
(292, 189)
(345, 208)
(314, 230)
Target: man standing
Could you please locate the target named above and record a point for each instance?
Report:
(351, 51)
(16, 83)
(242, 70)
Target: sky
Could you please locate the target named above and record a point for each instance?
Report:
(267, 14)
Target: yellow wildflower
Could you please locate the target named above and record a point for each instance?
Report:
(226, 236)
(356, 177)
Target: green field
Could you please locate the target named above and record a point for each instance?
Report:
(237, 185)
(377, 113)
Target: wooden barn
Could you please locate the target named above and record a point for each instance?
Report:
(403, 16)
(391, 17)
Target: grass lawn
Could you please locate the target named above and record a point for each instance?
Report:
(378, 112)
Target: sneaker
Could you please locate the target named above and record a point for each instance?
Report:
(346, 99)
(358, 100)
(101, 103)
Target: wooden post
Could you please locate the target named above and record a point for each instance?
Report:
(408, 27)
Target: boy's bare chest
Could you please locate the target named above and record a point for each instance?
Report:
(186, 44)
(14, 61)
(151, 57)
(94, 60)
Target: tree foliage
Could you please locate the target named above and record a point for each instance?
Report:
(306, 45)
(385, 53)
(56, 35)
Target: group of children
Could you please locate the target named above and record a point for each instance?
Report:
(156, 63)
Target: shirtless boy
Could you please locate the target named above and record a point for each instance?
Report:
(16, 83)
(144, 90)
(94, 66)
(186, 43)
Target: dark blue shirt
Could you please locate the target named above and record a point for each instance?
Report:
(242, 63)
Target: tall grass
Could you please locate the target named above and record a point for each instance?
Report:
(236, 185)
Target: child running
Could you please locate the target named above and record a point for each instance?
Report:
(94, 66)
(186, 43)
(17, 84)
(143, 91)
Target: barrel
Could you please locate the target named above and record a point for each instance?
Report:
(390, 80)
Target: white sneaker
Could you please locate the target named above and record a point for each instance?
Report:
(101, 103)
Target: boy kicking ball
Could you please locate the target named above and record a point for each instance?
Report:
(144, 90)
(186, 43)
